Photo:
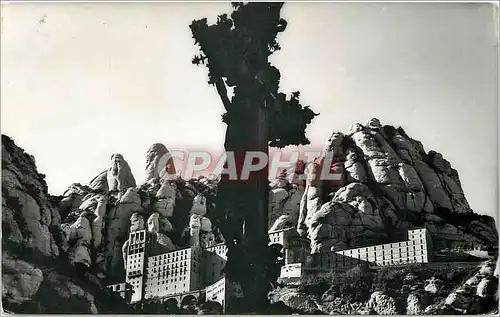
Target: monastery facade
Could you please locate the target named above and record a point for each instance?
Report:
(198, 271)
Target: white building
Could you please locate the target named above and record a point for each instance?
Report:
(291, 273)
(217, 292)
(139, 242)
(194, 269)
(417, 249)
(174, 272)
(223, 292)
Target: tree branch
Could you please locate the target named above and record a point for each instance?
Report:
(222, 91)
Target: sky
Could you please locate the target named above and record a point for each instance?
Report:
(81, 81)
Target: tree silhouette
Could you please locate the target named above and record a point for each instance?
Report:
(236, 52)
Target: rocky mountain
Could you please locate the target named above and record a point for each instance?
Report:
(388, 184)
(97, 218)
(60, 252)
(36, 278)
(83, 232)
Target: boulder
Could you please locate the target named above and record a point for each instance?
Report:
(165, 206)
(487, 269)
(432, 285)
(283, 222)
(356, 127)
(137, 222)
(167, 190)
(299, 301)
(460, 301)
(119, 175)
(131, 196)
(413, 305)
(80, 253)
(153, 223)
(165, 225)
(158, 162)
(487, 287)
(100, 182)
(334, 145)
(199, 205)
(350, 219)
(205, 224)
(194, 229)
(373, 123)
(164, 243)
(20, 279)
(382, 304)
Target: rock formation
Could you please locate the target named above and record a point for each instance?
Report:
(312, 198)
(165, 203)
(194, 230)
(207, 237)
(119, 175)
(389, 183)
(163, 241)
(433, 289)
(37, 249)
(153, 223)
(199, 205)
(100, 182)
(120, 207)
(159, 163)
(27, 213)
(285, 195)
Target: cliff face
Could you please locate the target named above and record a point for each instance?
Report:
(388, 184)
(35, 277)
(60, 252)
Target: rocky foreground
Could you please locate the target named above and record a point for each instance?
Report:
(430, 289)
(59, 252)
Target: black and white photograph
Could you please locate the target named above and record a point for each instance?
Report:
(249, 158)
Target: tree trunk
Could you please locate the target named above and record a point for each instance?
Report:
(256, 286)
(244, 205)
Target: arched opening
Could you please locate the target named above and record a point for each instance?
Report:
(189, 304)
(189, 300)
(171, 305)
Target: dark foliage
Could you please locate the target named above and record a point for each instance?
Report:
(245, 41)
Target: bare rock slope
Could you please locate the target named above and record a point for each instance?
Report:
(388, 184)
(36, 278)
